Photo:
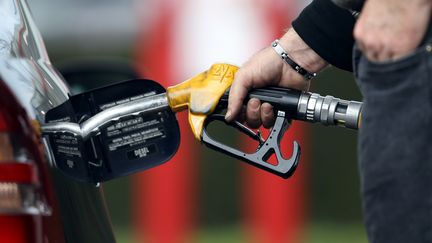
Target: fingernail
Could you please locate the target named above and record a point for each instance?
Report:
(228, 115)
(268, 112)
(255, 104)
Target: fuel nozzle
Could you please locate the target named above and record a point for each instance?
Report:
(329, 110)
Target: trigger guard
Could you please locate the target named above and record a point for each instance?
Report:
(284, 167)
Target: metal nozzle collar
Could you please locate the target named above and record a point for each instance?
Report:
(327, 110)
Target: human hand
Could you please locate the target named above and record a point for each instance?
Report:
(266, 68)
(390, 29)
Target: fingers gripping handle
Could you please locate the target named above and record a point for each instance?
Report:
(284, 167)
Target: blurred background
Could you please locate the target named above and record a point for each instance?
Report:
(201, 195)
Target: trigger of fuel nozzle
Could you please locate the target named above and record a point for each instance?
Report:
(266, 148)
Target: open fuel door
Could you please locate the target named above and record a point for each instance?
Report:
(119, 147)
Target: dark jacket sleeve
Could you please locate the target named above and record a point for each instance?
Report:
(327, 29)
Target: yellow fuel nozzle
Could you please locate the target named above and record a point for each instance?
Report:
(201, 94)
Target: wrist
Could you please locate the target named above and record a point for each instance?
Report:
(288, 60)
(301, 53)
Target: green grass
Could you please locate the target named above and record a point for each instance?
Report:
(336, 233)
(124, 235)
(315, 233)
(217, 235)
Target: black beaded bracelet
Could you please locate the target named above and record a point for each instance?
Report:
(284, 55)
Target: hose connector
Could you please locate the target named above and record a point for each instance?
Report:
(329, 110)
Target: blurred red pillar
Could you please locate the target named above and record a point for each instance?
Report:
(164, 197)
(274, 208)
